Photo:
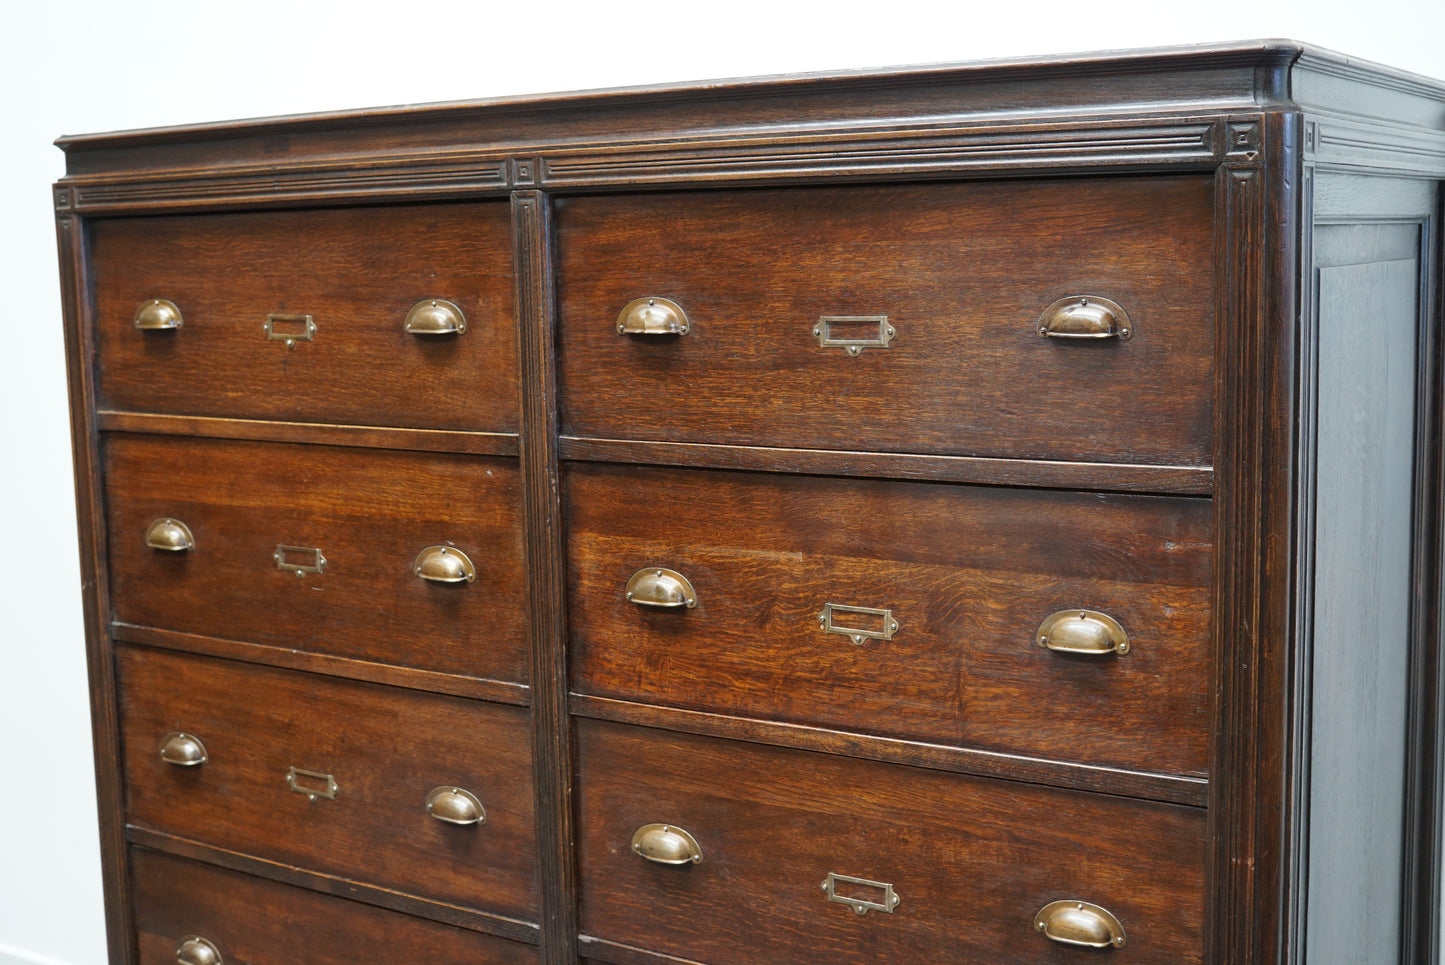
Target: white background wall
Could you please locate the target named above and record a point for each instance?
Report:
(91, 66)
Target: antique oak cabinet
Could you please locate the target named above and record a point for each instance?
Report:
(980, 514)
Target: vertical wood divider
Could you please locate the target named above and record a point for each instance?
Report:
(546, 575)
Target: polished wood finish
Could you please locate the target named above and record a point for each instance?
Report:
(368, 513)
(968, 573)
(355, 271)
(972, 476)
(970, 860)
(962, 272)
(254, 920)
(258, 723)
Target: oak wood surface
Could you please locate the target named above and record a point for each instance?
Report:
(969, 573)
(963, 273)
(356, 272)
(971, 860)
(386, 750)
(369, 513)
(263, 922)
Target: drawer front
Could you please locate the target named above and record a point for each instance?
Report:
(356, 272)
(963, 273)
(966, 575)
(971, 862)
(264, 517)
(332, 775)
(260, 922)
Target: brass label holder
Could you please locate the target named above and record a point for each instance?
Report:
(830, 332)
(862, 906)
(299, 560)
(290, 328)
(313, 784)
(887, 625)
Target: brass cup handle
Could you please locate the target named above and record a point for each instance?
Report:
(444, 564)
(1085, 317)
(158, 315)
(455, 805)
(660, 587)
(1082, 631)
(435, 316)
(652, 315)
(169, 535)
(665, 844)
(195, 950)
(183, 750)
(1079, 923)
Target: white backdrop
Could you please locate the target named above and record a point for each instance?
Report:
(90, 66)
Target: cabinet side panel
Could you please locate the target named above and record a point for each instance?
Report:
(1368, 286)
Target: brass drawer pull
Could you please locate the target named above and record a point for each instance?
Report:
(170, 535)
(1083, 317)
(444, 564)
(652, 315)
(665, 844)
(851, 333)
(183, 750)
(1080, 923)
(158, 315)
(195, 950)
(887, 625)
(290, 328)
(313, 784)
(299, 560)
(886, 902)
(455, 805)
(1082, 631)
(435, 316)
(661, 588)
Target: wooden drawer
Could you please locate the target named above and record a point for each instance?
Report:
(962, 271)
(386, 749)
(260, 922)
(369, 513)
(968, 573)
(356, 271)
(971, 861)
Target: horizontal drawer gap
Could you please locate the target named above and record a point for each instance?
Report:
(1173, 789)
(614, 953)
(370, 437)
(1119, 477)
(497, 691)
(340, 887)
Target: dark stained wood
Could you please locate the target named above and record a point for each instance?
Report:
(499, 691)
(310, 433)
(375, 895)
(1188, 480)
(252, 919)
(546, 577)
(618, 954)
(971, 860)
(963, 272)
(1170, 788)
(79, 327)
(357, 272)
(969, 573)
(386, 750)
(370, 512)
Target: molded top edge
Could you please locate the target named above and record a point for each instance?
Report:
(1267, 54)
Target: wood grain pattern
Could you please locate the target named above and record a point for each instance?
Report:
(968, 572)
(356, 271)
(369, 512)
(258, 921)
(963, 272)
(970, 860)
(385, 748)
